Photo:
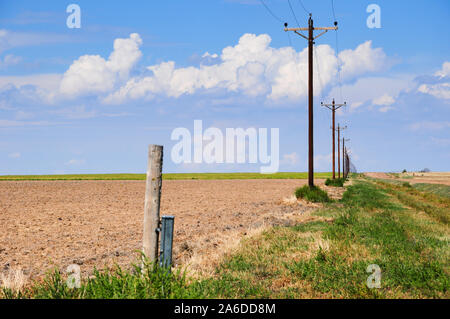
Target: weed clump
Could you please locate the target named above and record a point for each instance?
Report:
(141, 282)
(313, 194)
(338, 182)
(406, 184)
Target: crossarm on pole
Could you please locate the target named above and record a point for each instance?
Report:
(307, 29)
(320, 34)
(301, 35)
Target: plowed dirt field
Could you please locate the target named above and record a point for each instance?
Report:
(96, 223)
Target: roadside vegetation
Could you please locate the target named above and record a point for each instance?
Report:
(168, 176)
(329, 257)
(312, 194)
(337, 182)
(149, 283)
(438, 189)
(435, 206)
(375, 223)
(400, 175)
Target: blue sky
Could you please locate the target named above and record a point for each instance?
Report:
(90, 100)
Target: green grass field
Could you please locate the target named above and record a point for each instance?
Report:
(168, 176)
(438, 189)
(401, 229)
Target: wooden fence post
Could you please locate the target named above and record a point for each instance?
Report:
(152, 202)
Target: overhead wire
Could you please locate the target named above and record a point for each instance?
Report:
(294, 55)
(301, 3)
(270, 11)
(324, 116)
(339, 65)
(295, 17)
(288, 34)
(318, 72)
(317, 59)
(332, 8)
(339, 71)
(321, 86)
(293, 13)
(290, 42)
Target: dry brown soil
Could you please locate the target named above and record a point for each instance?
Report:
(46, 224)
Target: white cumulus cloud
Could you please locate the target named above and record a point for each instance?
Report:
(92, 74)
(384, 100)
(445, 71)
(362, 60)
(252, 68)
(9, 60)
(440, 90)
(379, 91)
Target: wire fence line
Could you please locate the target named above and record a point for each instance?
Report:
(349, 167)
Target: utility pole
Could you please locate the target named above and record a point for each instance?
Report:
(339, 129)
(310, 39)
(152, 202)
(333, 107)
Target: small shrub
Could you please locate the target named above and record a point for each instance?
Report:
(404, 171)
(406, 184)
(321, 256)
(313, 194)
(338, 182)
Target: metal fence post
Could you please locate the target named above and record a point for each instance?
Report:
(167, 223)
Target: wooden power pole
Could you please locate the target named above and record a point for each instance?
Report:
(333, 107)
(339, 129)
(152, 202)
(310, 39)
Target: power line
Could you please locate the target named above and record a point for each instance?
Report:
(318, 72)
(339, 66)
(293, 13)
(323, 117)
(339, 130)
(270, 11)
(310, 40)
(294, 56)
(332, 7)
(339, 75)
(301, 3)
(333, 107)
